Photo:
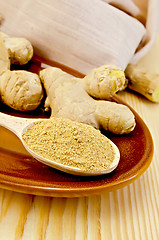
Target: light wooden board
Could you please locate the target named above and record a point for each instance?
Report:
(129, 213)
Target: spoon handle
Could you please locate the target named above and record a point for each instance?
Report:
(15, 124)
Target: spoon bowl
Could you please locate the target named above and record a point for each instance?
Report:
(19, 125)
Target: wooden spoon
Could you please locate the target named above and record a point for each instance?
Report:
(19, 125)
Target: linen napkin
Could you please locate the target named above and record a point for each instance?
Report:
(84, 34)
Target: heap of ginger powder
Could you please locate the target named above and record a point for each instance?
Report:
(71, 143)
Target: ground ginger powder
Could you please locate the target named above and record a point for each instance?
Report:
(70, 143)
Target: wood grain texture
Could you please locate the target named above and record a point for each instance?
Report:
(129, 213)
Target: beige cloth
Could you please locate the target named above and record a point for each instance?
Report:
(84, 34)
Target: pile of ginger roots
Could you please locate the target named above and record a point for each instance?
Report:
(86, 100)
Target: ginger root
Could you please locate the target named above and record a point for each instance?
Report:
(103, 82)
(21, 90)
(143, 76)
(68, 98)
(19, 49)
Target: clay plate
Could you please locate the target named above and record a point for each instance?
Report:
(20, 172)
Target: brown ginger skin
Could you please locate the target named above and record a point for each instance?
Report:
(20, 90)
(67, 98)
(143, 75)
(103, 82)
(19, 49)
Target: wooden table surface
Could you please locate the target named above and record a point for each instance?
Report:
(128, 213)
(131, 213)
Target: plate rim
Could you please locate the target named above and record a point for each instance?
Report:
(90, 190)
(86, 191)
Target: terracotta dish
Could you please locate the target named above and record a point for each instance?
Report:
(21, 172)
